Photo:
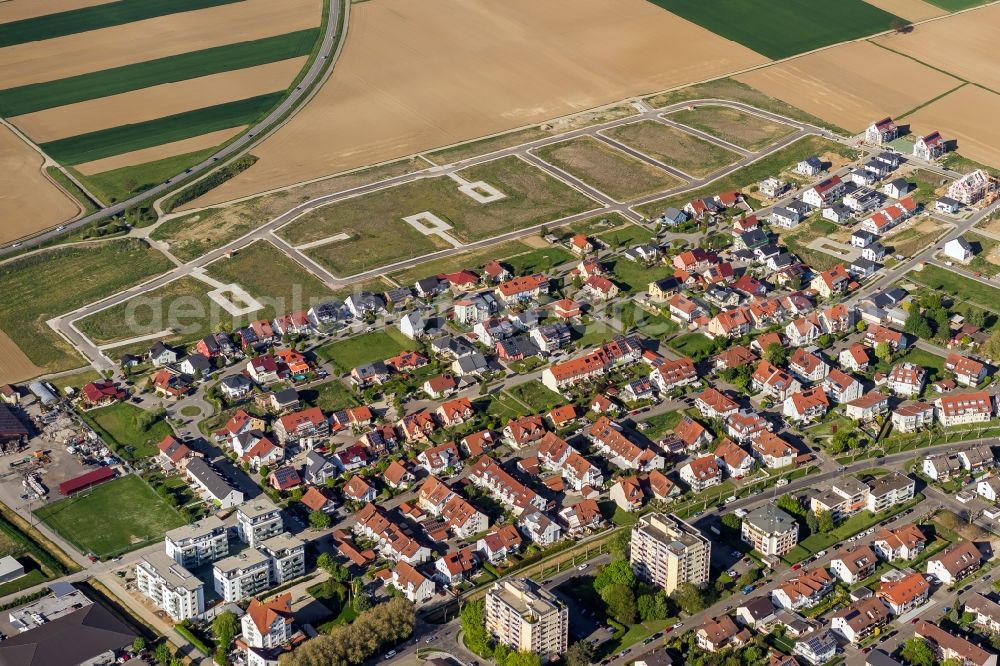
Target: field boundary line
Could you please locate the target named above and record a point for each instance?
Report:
(932, 100)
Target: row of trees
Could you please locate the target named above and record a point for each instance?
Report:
(346, 645)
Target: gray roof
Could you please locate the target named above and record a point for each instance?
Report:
(286, 396)
(759, 607)
(472, 363)
(174, 574)
(205, 475)
(879, 658)
(199, 362)
(69, 640)
(770, 519)
(236, 381)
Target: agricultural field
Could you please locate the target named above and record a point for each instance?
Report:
(671, 146)
(772, 165)
(737, 127)
(26, 187)
(392, 90)
(110, 183)
(966, 115)
(113, 517)
(609, 170)
(972, 58)
(914, 10)
(852, 84)
(379, 236)
(15, 366)
(782, 28)
(362, 349)
(33, 289)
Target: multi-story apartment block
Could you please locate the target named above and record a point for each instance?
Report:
(244, 575)
(771, 531)
(193, 545)
(667, 552)
(888, 491)
(170, 586)
(846, 497)
(267, 629)
(487, 474)
(526, 617)
(288, 557)
(913, 416)
(307, 423)
(962, 408)
(257, 520)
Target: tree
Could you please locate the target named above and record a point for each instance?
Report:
(325, 561)
(162, 653)
(860, 327)
(775, 354)
(749, 577)
(580, 653)
(824, 521)
(689, 598)
(652, 606)
(473, 621)
(883, 352)
(811, 522)
(522, 659)
(917, 652)
(790, 504)
(621, 602)
(618, 572)
(139, 644)
(318, 520)
(916, 324)
(225, 628)
(732, 521)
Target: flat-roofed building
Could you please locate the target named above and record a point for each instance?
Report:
(526, 617)
(244, 575)
(193, 545)
(257, 520)
(288, 557)
(771, 531)
(170, 586)
(667, 552)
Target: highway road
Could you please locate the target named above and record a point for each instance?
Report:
(329, 51)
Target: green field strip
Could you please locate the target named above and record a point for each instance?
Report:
(782, 28)
(38, 96)
(94, 18)
(126, 138)
(957, 5)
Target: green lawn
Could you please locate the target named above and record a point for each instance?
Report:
(634, 276)
(94, 18)
(330, 396)
(35, 288)
(957, 285)
(361, 349)
(651, 325)
(33, 575)
(501, 406)
(695, 345)
(38, 96)
(932, 362)
(983, 247)
(660, 424)
(737, 127)
(541, 260)
(119, 424)
(613, 172)
(113, 517)
(592, 333)
(782, 28)
(627, 236)
(120, 184)
(126, 138)
(673, 147)
(537, 396)
(753, 173)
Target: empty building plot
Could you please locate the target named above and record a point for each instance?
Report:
(611, 171)
(737, 127)
(672, 146)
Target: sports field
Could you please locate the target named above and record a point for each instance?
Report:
(33, 289)
(963, 45)
(116, 140)
(112, 517)
(25, 188)
(396, 88)
(611, 171)
(737, 127)
(782, 28)
(671, 146)
(967, 115)
(853, 84)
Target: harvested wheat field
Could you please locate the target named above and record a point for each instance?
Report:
(29, 201)
(968, 115)
(417, 75)
(154, 38)
(182, 147)
(157, 101)
(14, 365)
(611, 171)
(963, 44)
(18, 10)
(851, 85)
(911, 10)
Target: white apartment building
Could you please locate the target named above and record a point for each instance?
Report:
(267, 628)
(170, 586)
(524, 616)
(888, 491)
(666, 551)
(193, 545)
(244, 575)
(288, 557)
(257, 520)
(771, 531)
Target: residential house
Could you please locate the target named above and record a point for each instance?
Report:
(831, 282)
(968, 372)
(860, 620)
(929, 147)
(805, 590)
(881, 132)
(805, 406)
(701, 473)
(853, 564)
(961, 408)
(900, 543)
(868, 406)
(714, 635)
(732, 458)
(906, 379)
(955, 562)
(854, 358)
(951, 648)
(773, 381)
(841, 387)
(904, 592)
(809, 367)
